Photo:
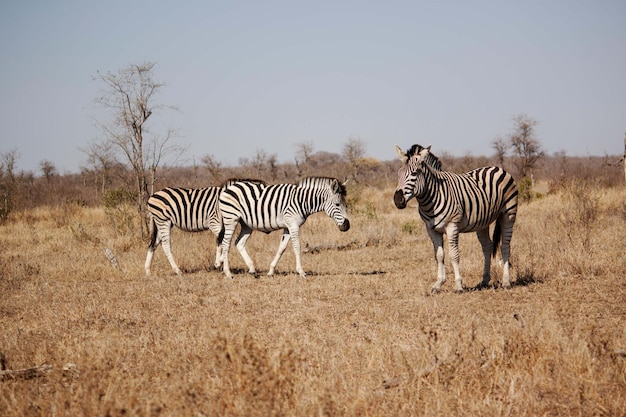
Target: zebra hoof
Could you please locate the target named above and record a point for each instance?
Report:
(434, 290)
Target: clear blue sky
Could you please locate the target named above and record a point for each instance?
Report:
(250, 75)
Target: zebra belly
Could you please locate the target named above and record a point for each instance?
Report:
(467, 226)
(267, 226)
(463, 223)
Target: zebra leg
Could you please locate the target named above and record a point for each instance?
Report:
(284, 240)
(218, 244)
(452, 231)
(218, 255)
(437, 239)
(148, 261)
(164, 235)
(229, 230)
(507, 232)
(294, 232)
(241, 246)
(487, 245)
(154, 243)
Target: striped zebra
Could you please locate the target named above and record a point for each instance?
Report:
(189, 209)
(459, 203)
(258, 206)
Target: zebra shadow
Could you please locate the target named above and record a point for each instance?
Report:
(312, 273)
(243, 272)
(524, 279)
(197, 269)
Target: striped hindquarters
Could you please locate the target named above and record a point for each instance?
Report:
(485, 193)
(499, 188)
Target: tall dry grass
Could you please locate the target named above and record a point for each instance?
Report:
(360, 336)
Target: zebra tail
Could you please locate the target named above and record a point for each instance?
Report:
(153, 233)
(497, 235)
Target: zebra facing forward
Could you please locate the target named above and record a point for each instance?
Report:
(189, 209)
(258, 206)
(459, 203)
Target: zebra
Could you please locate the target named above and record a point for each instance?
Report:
(459, 203)
(258, 206)
(189, 209)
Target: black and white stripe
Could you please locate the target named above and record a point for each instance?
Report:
(259, 206)
(459, 203)
(189, 209)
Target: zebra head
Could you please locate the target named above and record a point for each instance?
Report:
(335, 203)
(410, 178)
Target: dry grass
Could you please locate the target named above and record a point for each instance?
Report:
(359, 336)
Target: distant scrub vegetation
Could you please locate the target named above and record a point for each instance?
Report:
(26, 189)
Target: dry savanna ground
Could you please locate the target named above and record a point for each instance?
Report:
(361, 335)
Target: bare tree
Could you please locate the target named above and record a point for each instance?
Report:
(259, 160)
(7, 164)
(501, 147)
(101, 157)
(353, 152)
(624, 157)
(526, 147)
(304, 150)
(8, 186)
(272, 166)
(130, 95)
(214, 167)
(47, 169)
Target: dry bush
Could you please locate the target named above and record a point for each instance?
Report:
(360, 336)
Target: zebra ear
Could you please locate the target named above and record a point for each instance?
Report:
(339, 188)
(401, 154)
(423, 154)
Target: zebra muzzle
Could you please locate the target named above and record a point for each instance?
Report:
(345, 226)
(398, 199)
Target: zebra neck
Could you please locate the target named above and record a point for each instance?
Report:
(309, 201)
(430, 188)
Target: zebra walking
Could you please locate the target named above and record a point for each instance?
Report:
(258, 206)
(459, 203)
(191, 210)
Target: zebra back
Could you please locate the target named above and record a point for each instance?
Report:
(320, 183)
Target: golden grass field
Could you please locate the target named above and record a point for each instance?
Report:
(361, 335)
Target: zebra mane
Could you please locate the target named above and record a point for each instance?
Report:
(313, 181)
(431, 159)
(230, 181)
